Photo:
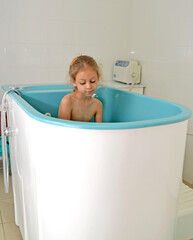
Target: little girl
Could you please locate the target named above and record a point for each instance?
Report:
(80, 105)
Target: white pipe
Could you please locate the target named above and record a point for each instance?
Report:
(4, 133)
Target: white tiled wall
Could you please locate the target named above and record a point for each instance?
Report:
(39, 38)
(161, 35)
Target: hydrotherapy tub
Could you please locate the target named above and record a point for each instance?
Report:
(116, 180)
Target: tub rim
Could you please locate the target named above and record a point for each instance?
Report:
(185, 112)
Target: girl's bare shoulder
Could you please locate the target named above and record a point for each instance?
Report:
(98, 102)
(67, 99)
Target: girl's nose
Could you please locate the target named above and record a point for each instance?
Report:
(88, 85)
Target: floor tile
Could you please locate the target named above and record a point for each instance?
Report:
(1, 232)
(7, 210)
(12, 232)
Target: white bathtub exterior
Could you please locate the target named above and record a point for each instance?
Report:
(79, 184)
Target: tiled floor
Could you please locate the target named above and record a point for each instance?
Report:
(8, 229)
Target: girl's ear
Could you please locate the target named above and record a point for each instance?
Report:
(72, 81)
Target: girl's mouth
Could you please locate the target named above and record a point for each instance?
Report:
(90, 92)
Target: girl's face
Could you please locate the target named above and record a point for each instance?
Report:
(86, 81)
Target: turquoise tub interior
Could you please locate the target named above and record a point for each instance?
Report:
(122, 110)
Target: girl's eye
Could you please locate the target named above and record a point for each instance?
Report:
(82, 83)
(93, 81)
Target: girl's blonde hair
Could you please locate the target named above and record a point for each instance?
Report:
(81, 62)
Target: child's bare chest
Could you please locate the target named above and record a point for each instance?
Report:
(83, 111)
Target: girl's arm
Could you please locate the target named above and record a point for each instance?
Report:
(99, 112)
(65, 108)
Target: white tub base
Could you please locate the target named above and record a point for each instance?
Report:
(78, 184)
